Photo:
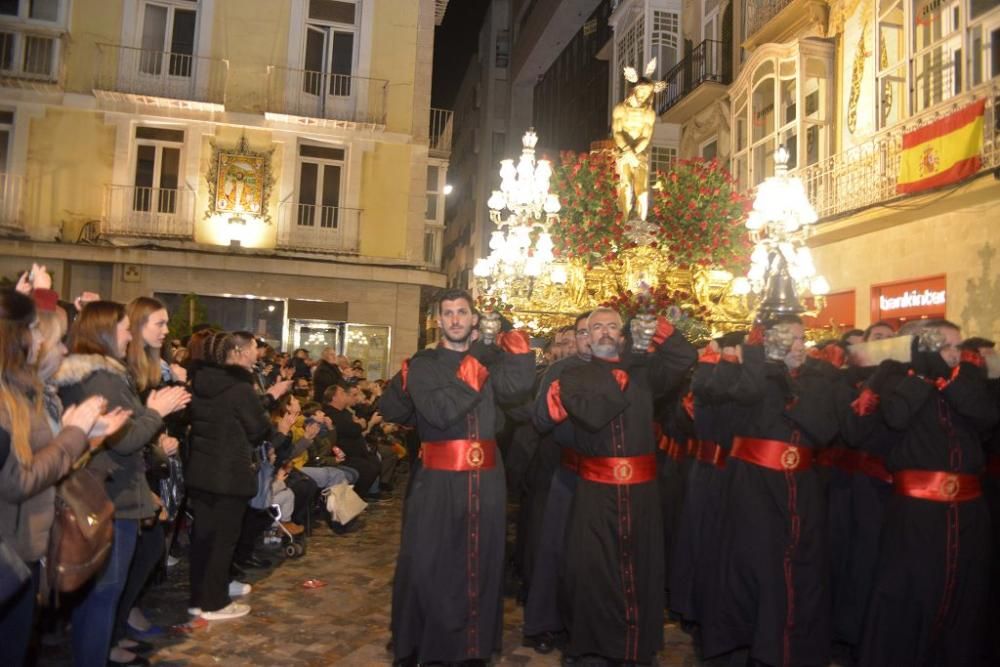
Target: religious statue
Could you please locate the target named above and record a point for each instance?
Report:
(632, 129)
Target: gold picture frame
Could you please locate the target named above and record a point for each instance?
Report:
(239, 181)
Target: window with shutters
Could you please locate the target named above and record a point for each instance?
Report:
(167, 37)
(330, 48)
(31, 34)
(321, 172)
(157, 172)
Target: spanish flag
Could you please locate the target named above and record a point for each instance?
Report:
(945, 151)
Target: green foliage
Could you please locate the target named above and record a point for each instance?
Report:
(191, 312)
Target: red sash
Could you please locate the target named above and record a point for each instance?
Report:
(459, 455)
(611, 469)
(773, 454)
(671, 447)
(855, 460)
(941, 487)
(711, 453)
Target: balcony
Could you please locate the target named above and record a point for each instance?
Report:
(779, 21)
(321, 98)
(867, 174)
(28, 58)
(439, 135)
(319, 229)
(160, 78)
(162, 213)
(11, 189)
(695, 82)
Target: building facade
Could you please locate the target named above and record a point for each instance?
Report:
(481, 139)
(838, 84)
(280, 152)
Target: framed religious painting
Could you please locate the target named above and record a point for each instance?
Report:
(239, 182)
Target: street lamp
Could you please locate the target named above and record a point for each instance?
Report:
(781, 265)
(522, 210)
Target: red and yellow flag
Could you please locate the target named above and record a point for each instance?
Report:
(945, 151)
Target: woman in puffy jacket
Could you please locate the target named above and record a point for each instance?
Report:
(99, 339)
(228, 423)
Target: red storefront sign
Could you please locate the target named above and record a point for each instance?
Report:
(838, 312)
(923, 298)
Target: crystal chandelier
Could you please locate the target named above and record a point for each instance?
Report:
(779, 225)
(522, 210)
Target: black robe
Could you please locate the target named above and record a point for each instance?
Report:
(542, 612)
(447, 592)
(690, 532)
(929, 599)
(856, 508)
(770, 591)
(991, 489)
(614, 579)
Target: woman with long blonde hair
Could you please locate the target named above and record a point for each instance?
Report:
(99, 341)
(37, 448)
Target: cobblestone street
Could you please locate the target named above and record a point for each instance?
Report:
(345, 622)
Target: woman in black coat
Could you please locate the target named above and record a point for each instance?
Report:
(228, 422)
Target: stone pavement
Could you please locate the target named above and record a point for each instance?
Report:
(345, 622)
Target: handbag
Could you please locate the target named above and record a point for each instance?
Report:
(13, 572)
(265, 474)
(343, 503)
(172, 487)
(82, 531)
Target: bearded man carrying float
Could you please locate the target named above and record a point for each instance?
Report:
(614, 578)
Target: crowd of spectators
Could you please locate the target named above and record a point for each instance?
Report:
(212, 442)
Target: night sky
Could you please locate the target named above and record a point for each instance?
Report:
(454, 44)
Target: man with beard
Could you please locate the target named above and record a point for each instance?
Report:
(447, 592)
(928, 603)
(613, 574)
(351, 439)
(769, 596)
(544, 626)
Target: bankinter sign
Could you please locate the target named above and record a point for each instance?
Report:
(924, 297)
(912, 299)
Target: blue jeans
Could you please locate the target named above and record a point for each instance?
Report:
(326, 477)
(94, 617)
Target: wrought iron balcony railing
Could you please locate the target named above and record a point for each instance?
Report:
(149, 212)
(707, 62)
(29, 56)
(440, 132)
(321, 229)
(161, 74)
(340, 97)
(759, 12)
(868, 174)
(11, 189)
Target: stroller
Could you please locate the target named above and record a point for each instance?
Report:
(293, 546)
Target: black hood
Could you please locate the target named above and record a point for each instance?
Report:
(210, 381)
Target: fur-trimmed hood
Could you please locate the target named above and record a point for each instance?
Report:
(78, 367)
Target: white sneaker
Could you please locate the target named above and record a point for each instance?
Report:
(172, 561)
(231, 610)
(194, 611)
(239, 589)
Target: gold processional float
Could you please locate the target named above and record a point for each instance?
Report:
(591, 233)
